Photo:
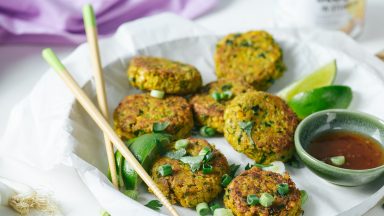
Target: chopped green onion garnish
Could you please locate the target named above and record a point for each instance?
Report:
(154, 204)
(225, 180)
(214, 206)
(252, 199)
(266, 199)
(233, 169)
(338, 160)
(222, 212)
(159, 126)
(133, 194)
(207, 131)
(157, 94)
(203, 209)
(165, 170)
(176, 154)
(283, 189)
(204, 151)
(193, 162)
(207, 168)
(226, 95)
(248, 166)
(208, 157)
(182, 143)
(216, 96)
(304, 196)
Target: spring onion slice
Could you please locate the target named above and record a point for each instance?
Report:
(338, 160)
(216, 96)
(304, 196)
(252, 199)
(193, 162)
(214, 206)
(207, 131)
(207, 168)
(222, 212)
(225, 180)
(181, 143)
(165, 170)
(203, 209)
(204, 151)
(283, 189)
(226, 95)
(133, 194)
(266, 199)
(157, 94)
(176, 154)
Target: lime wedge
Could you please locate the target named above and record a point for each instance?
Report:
(323, 76)
(328, 97)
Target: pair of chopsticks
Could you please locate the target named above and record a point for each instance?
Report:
(92, 110)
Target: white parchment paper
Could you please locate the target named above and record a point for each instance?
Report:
(49, 127)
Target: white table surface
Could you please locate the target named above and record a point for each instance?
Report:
(21, 67)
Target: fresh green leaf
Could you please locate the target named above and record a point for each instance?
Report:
(247, 127)
(233, 169)
(176, 154)
(154, 204)
(193, 162)
(159, 126)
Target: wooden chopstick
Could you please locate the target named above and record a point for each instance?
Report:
(92, 110)
(91, 31)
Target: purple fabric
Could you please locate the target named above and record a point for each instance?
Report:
(60, 21)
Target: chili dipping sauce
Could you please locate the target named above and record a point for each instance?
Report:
(360, 151)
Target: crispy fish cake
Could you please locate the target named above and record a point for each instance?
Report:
(255, 182)
(261, 126)
(136, 114)
(210, 111)
(152, 73)
(253, 55)
(191, 188)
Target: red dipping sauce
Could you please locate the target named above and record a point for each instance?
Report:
(360, 151)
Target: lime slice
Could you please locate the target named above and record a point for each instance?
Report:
(328, 97)
(323, 76)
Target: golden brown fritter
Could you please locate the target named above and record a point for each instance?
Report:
(253, 55)
(137, 113)
(256, 181)
(191, 188)
(261, 126)
(152, 73)
(210, 112)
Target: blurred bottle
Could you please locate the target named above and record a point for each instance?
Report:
(344, 15)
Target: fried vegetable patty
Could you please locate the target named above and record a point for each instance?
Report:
(261, 126)
(255, 182)
(253, 55)
(136, 114)
(152, 73)
(210, 111)
(191, 188)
